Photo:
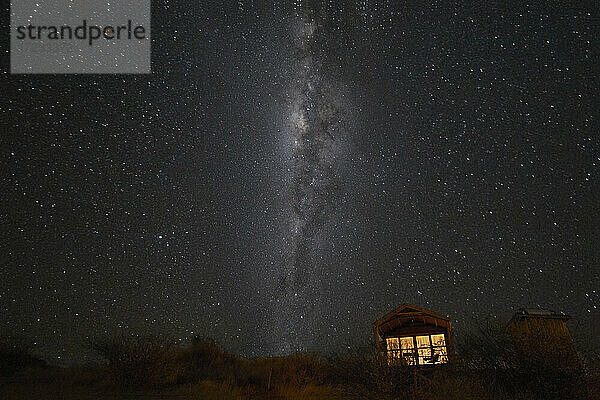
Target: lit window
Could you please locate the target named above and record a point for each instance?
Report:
(408, 349)
(392, 343)
(423, 341)
(425, 356)
(439, 355)
(438, 340)
(393, 349)
(421, 350)
(407, 343)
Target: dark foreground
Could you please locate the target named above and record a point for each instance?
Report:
(95, 383)
(145, 367)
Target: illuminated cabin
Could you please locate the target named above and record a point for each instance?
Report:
(412, 335)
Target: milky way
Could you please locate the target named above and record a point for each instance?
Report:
(315, 127)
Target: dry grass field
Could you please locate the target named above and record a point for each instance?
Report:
(138, 367)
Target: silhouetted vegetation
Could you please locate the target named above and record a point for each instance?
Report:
(139, 360)
(15, 356)
(490, 365)
(205, 360)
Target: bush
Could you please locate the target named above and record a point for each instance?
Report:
(205, 360)
(15, 356)
(550, 368)
(364, 375)
(300, 370)
(139, 360)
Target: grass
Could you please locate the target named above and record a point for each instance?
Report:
(203, 371)
(92, 384)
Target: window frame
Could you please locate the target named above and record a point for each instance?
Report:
(413, 356)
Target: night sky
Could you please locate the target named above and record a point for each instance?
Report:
(291, 172)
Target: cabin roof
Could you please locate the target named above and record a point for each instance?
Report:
(409, 309)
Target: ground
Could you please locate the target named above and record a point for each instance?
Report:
(92, 384)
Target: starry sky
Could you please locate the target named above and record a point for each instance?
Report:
(290, 172)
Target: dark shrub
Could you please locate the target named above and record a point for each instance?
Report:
(15, 356)
(139, 360)
(205, 360)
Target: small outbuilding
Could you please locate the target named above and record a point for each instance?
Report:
(542, 332)
(412, 335)
(544, 348)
